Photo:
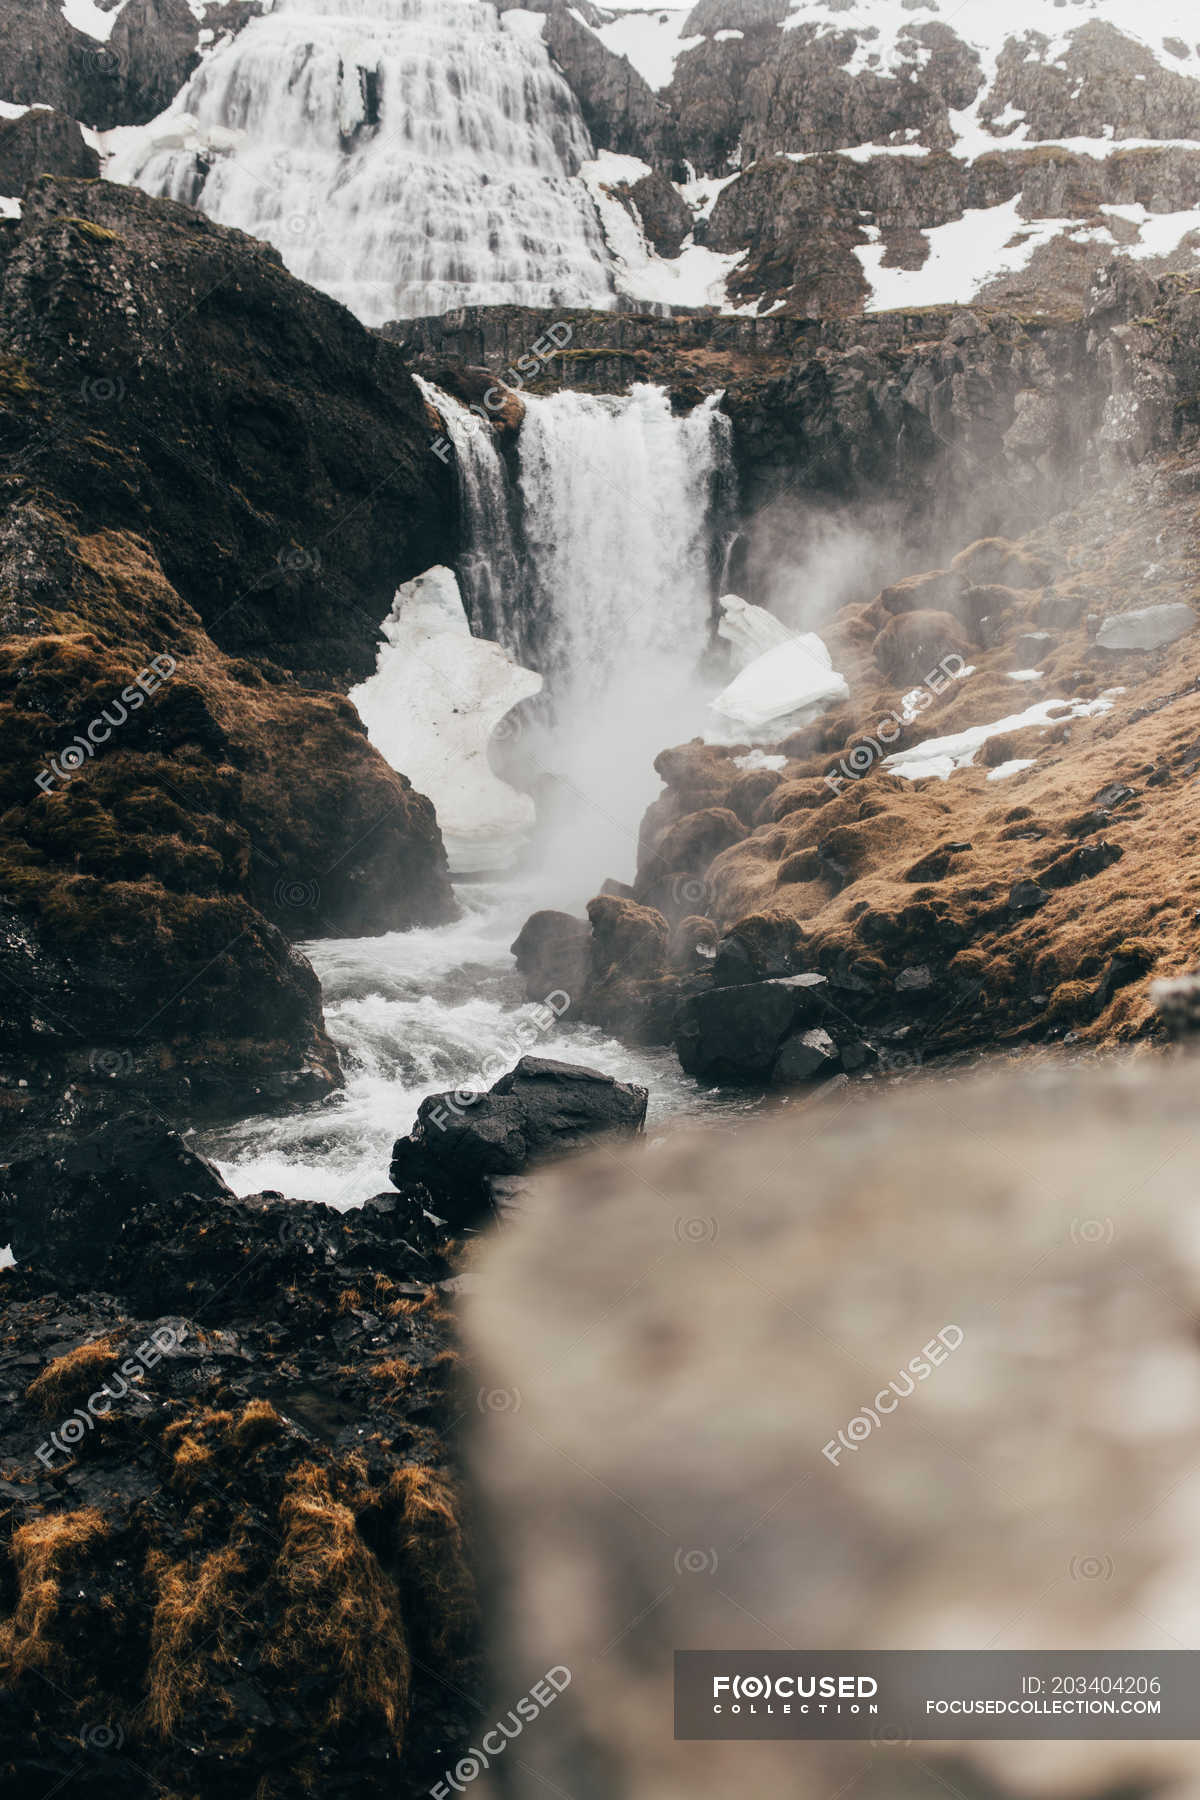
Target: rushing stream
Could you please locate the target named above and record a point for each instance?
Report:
(596, 562)
(414, 1013)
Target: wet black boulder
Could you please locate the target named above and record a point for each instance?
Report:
(462, 1140)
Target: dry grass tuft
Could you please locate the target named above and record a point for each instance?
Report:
(342, 1615)
(69, 1379)
(192, 1631)
(395, 1376)
(45, 1553)
(432, 1544)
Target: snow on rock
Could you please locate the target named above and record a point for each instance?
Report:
(96, 21)
(1013, 766)
(651, 41)
(696, 277)
(527, 24)
(794, 675)
(430, 709)
(938, 758)
(963, 256)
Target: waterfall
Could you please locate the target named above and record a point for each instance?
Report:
(596, 563)
(618, 499)
(489, 569)
(405, 156)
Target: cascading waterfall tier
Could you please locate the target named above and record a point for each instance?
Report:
(405, 156)
(597, 569)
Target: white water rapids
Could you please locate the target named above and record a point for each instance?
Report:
(606, 580)
(415, 1013)
(405, 156)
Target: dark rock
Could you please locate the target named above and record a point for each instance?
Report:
(540, 1108)
(1080, 864)
(734, 1033)
(1027, 896)
(666, 220)
(1031, 647)
(150, 51)
(39, 142)
(1115, 794)
(914, 643)
(554, 953)
(914, 980)
(758, 948)
(66, 1194)
(805, 1056)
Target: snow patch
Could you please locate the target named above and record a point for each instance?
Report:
(651, 41)
(963, 257)
(95, 21)
(696, 277)
(938, 758)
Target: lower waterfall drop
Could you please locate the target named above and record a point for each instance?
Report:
(606, 585)
(621, 503)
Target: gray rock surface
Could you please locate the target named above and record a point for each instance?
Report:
(1146, 628)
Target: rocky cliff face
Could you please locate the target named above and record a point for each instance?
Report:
(775, 104)
(185, 788)
(906, 410)
(122, 79)
(829, 156)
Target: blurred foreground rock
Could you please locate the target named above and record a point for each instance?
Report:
(666, 1471)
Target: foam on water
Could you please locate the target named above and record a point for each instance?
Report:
(415, 1013)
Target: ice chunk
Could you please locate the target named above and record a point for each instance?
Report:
(749, 630)
(430, 709)
(794, 675)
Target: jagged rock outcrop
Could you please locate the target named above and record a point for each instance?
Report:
(463, 1141)
(621, 111)
(42, 140)
(216, 478)
(1103, 83)
(124, 80)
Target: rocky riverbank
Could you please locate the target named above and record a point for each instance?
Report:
(215, 480)
(236, 1549)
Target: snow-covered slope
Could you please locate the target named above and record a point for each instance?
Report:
(410, 156)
